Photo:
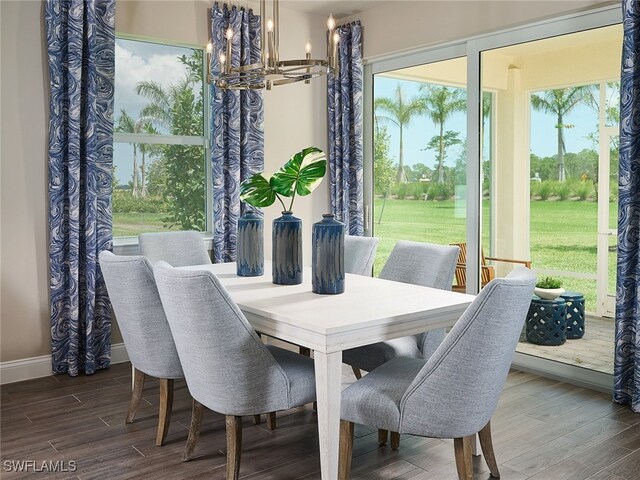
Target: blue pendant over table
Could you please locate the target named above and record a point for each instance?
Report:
(250, 245)
(328, 256)
(287, 250)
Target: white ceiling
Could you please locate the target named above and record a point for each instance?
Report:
(339, 9)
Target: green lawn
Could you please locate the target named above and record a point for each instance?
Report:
(563, 234)
(131, 224)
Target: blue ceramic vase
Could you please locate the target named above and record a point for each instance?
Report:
(287, 250)
(250, 245)
(327, 263)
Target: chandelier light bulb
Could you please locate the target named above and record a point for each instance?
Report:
(209, 47)
(229, 33)
(223, 59)
(331, 23)
(270, 25)
(308, 47)
(336, 37)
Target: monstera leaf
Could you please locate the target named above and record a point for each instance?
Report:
(256, 190)
(299, 176)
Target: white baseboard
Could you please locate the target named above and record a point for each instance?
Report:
(37, 367)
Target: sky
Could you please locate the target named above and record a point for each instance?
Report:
(421, 130)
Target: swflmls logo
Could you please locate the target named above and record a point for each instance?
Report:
(49, 466)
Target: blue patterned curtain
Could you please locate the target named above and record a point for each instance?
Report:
(627, 356)
(345, 131)
(81, 43)
(237, 119)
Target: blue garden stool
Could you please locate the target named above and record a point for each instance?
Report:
(575, 314)
(546, 321)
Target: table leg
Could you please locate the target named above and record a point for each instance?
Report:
(328, 388)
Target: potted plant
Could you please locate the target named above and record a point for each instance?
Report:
(299, 176)
(549, 288)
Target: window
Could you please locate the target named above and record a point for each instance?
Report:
(160, 179)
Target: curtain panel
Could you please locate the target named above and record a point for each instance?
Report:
(627, 350)
(81, 42)
(237, 123)
(345, 131)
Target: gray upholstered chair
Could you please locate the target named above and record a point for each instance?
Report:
(179, 249)
(145, 330)
(359, 254)
(454, 393)
(425, 264)
(227, 367)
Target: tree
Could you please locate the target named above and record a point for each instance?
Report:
(441, 144)
(440, 103)
(561, 102)
(126, 124)
(179, 109)
(400, 112)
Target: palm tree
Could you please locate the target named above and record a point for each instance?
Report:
(440, 103)
(399, 112)
(126, 124)
(560, 102)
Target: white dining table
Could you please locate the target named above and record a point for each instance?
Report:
(370, 310)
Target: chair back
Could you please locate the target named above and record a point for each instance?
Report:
(456, 392)
(227, 367)
(138, 309)
(179, 249)
(486, 272)
(359, 254)
(425, 264)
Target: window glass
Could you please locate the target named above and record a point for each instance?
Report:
(159, 160)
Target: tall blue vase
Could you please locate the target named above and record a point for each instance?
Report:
(287, 250)
(327, 263)
(250, 245)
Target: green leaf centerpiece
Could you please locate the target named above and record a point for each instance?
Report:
(299, 176)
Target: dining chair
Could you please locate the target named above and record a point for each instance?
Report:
(454, 393)
(359, 254)
(425, 264)
(487, 271)
(179, 249)
(227, 367)
(145, 331)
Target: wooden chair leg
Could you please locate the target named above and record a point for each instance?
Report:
(383, 435)
(271, 420)
(234, 446)
(395, 440)
(136, 394)
(257, 419)
(356, 372)
(464, 463)
(194, 430)
(346, 450)
(166, 405)
(486, 443)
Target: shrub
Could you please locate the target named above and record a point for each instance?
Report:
(562, 190)
(549, 282)
(584, 190)
(440, 191)
(613, 191)
(535, 190)
(124, 202)
(545, 189)
(402, 190)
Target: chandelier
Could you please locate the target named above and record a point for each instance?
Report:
(270, 70)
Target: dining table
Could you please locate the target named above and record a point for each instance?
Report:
(370, 310)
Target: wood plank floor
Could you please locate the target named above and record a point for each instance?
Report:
(543, 429)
